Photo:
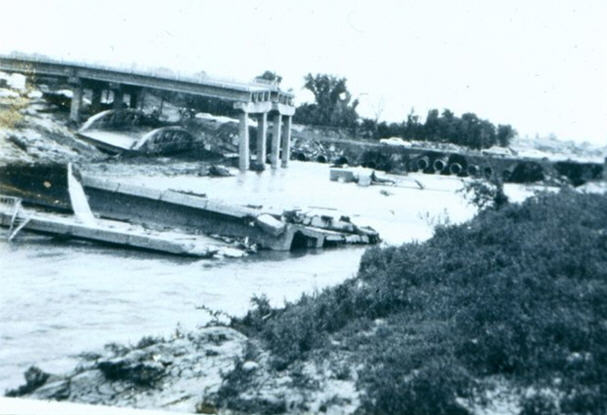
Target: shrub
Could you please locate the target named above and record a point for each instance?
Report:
(516, 293)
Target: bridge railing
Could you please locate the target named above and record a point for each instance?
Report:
(161, 73)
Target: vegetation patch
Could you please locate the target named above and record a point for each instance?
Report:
(516, 294)
(10, 111)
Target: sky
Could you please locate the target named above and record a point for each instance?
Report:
(540, 66)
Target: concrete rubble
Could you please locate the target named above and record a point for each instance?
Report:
(214, 370)
(191, 215)
(174, 373)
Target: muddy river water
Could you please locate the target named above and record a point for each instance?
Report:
(60, 298)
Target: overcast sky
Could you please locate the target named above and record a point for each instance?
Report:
(538, 65)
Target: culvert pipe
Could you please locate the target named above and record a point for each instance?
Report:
(455, 168)
(473, 170)
(487, 172)
(440, 164)
(507, 174)
(423, 163)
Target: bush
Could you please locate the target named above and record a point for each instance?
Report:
(516, 293)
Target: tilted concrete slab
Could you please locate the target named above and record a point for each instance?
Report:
(118, 233)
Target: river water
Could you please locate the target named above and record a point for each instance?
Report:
(60, 298)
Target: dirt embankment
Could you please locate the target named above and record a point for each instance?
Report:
(35, 129)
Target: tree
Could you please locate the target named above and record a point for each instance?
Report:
(505, 133)
(412, 128)
(333, 104)
(270, 76)
(432, 126)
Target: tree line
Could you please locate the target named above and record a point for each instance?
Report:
(333, 106)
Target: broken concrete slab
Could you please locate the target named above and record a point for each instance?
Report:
(270, 224)
(341, 175)
(114, 232)
(193, 214)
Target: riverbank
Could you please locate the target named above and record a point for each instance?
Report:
(52, 308)
(323, 335)
(385, 342)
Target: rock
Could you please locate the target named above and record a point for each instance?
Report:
(6, 93)
(364, 180)
(257, 166)
(34, 378)
(126, 369)
(341, 175)
(17, 81)
(13, 81)
(219, 171)
(35, 94)
(58, 390)
(249, 366)
(205, 407)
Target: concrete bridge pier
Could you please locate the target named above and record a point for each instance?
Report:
(246, 108)
(286, 141)
(118, 94)
(76, 104)
(140, 99)
(96, 100)
(243, 144)
(262, 132)
(276, 140)
(132, 99)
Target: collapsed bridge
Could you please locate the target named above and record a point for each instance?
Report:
(257, 99)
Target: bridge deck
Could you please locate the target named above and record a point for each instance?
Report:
(205, 86)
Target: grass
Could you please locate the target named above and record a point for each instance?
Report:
(516, 294)
(10, 111)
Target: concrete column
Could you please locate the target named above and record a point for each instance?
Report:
(262, 133)
(243, 144)
(133, 99)
(118, 99)
(286, 141)
(141, 99)
(276, 140)
(96, 100)
(76, 103)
